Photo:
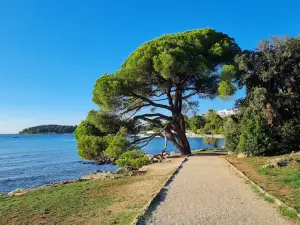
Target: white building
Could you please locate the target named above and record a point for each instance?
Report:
(227, 112)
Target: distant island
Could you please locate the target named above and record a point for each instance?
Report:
(49, 129)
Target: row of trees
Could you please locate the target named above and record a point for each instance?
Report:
(210, 123)
(47, 129)
(269, 122)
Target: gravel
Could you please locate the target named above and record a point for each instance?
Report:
(207, 191)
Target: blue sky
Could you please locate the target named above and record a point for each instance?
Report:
(51, 52)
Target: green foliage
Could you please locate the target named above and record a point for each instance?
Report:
(172, 67)
(118, 145)
(271, 115)
(200, 131)
(228, 72)
(255, 188)
(93, 147)
(214, 123)
(285, 211)
(226, 89)
(86, 129)
(106, 122)
(48, 129)
(232, 134)
(196, 122)
(269, 199)
(256, 136)
(211, 141)
(134, 159)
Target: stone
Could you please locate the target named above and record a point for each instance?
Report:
(18, 192)
(241, 155)
(155, 160)
(143, 170)
(280, 162)
(283, 162)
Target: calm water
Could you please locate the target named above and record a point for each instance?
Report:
(34, 160)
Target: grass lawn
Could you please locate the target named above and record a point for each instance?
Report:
(281, 182)
(109, 201)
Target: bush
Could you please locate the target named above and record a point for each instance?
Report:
(134, 159)
(289, 134)
(256, 135)
(210, 141)
(232, 134)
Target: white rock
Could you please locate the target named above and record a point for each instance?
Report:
(155, 160)
(241, 155)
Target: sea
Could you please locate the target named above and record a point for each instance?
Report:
(34, 160)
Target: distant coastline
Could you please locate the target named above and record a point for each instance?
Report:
(49, 129)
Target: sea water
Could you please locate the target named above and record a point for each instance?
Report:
(33, 160)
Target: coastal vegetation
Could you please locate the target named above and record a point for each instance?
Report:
(212, 124)
(49, 129)
(269, 121)
(156, 86)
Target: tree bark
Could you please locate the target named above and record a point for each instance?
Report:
(184, 145)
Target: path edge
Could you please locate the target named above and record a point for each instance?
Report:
(167, 181)
(260, 189)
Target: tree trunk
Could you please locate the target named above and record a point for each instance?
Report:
(182, 139)
(184, 146)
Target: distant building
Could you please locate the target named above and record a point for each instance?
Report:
(227, 112)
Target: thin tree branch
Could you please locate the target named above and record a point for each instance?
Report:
(154, 115)
(150, 102)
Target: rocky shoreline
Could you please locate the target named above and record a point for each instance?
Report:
(91, 176)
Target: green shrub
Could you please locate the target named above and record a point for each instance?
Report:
(232, 134)
(210, 141)
(200, 131)
(134, 159)
(257, 136)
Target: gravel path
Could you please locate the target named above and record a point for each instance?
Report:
(207, 191)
